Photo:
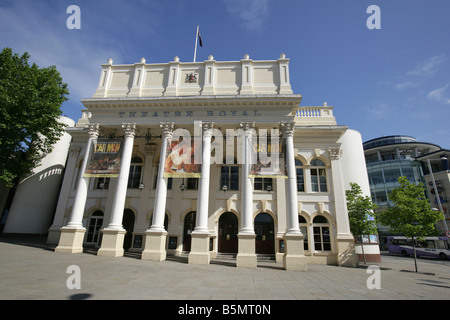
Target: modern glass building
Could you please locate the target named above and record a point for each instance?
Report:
(387, 159)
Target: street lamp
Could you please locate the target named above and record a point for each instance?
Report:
(436, 190)
(182, 186)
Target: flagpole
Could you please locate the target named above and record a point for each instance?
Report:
(196, 39)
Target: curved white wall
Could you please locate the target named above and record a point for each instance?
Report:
(353, 162)
(34, 201)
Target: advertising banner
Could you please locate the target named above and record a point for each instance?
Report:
(270, 160)
(105, 160)
(181, 159)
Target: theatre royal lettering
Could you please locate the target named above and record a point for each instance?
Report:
(181, 114)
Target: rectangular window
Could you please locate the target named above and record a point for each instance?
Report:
(318, 180)
(322, 240)
(304, 230)
(102, 183)
(192, 183)
(300, 180)
(134, 177)
(229, 177)
(263, 184)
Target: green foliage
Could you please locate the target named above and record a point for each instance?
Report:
(360, 211)
(30, 105)
(411, 214)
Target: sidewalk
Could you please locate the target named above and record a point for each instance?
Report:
(31, 270)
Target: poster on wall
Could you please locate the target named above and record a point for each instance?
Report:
(105, 159)
(181, 159)
(270, 159)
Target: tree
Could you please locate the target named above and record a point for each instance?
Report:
(360, 213)
(411, 214)
(30, 105)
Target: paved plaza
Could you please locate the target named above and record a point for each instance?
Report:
(30, 270)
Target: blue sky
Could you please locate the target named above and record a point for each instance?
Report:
(395, 80)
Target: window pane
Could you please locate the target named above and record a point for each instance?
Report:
(300, 180)
(323, 180)
(317, 163)
(258, 183)
(234, 178)
(314, 180)
(267, 182)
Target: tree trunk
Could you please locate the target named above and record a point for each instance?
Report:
(362, 248)
(414, 251)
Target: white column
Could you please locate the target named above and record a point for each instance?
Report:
(122, 181)
(76, 216)
(247, 187)
(344, 238)
(246, 253)
(72, 235)
(55, 229)
(292, 227)
(159, 209)
(200, 236)
(203, 189)
(155, 237)
(294, 256)
(113, 235)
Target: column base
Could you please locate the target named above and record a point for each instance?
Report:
(71, 240)
(246, 257)
(294, 255)
(112, 243)
(53, 235)
(199, 249)
(347, 256)
(154, 246)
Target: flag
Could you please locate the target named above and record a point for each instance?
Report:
(200, 39)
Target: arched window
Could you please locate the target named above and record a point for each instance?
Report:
(95, 223)
(304, 229)
(318, 176)
(300, 176)
(134, 178)
(321, 229)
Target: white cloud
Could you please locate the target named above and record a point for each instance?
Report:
(428, 67)
(440, 95)
(405, 84)
(378, 110)
(252, 13)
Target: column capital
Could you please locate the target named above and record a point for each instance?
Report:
(207, 125)
(130, 129)
(247, 125)
(93, 130)
(207, 128)
(334, 153)
(287, 128)
(166, 128)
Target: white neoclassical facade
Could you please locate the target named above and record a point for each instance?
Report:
(300, 218)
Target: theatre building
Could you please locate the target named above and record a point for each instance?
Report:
(204, 158)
